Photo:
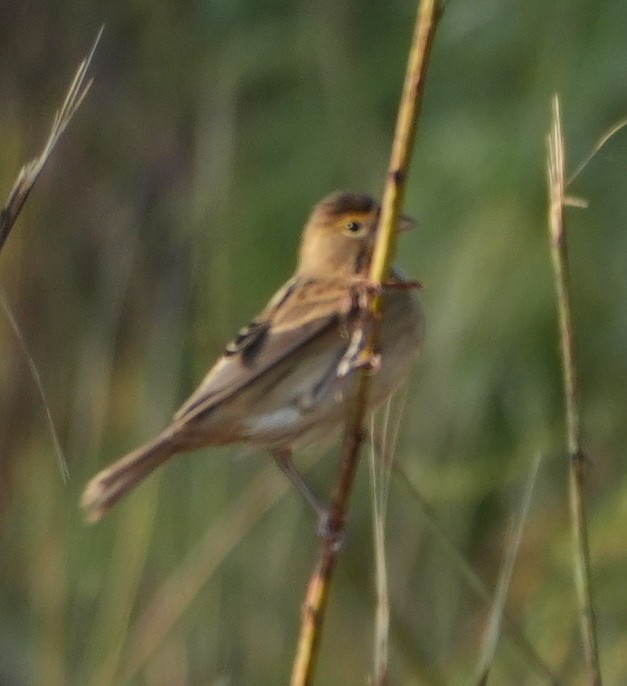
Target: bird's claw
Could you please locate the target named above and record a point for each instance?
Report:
(402, 285)
(328, 531)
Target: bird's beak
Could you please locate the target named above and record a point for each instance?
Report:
(405, 223)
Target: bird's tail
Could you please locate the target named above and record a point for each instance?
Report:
(114, 482)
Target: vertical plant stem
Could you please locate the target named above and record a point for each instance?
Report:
(380, 464)
(403, 144)
(577, 460)
(317, 595)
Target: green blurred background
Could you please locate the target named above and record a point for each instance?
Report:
(171, 211)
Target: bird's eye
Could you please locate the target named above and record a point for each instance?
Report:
(353, 226)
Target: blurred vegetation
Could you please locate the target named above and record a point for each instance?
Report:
(168, 215)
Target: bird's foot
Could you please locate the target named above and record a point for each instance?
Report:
(329, 531)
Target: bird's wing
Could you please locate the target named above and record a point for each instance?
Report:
(300, 313)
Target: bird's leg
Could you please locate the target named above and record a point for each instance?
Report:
(283, 458)
(358, 354)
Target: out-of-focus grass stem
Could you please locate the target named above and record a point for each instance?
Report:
(577, 460)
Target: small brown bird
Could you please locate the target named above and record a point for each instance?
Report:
(287, 378)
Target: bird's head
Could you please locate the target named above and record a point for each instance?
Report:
(339, 236)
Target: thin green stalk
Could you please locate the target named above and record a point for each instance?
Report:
(380, 464)
(496, 620)
(475, 584)
(577, 460)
